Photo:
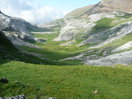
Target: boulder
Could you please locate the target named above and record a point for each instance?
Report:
(4, 80)
(51, 98)
(124, 58)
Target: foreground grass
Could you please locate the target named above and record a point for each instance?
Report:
(66, 82)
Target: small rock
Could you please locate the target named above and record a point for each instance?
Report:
(16, 97)
(51, 98)
(95, 92)
(4, 80)
(20, 97)
(40, 40)
(16, 82)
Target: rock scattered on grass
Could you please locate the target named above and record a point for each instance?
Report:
(95, 92)
(4, 80)
(51, 98)
(16, 97)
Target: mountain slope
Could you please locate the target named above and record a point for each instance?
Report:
(9, 52)
(109, 6)
(78, 12)
(7, 49)
(16, 29)
(90, 14)
(102, 7)
(100, 26)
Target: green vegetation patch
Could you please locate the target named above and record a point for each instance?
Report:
(102, 25)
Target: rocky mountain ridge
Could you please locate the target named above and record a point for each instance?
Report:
(99, 26)
(110, 6)
(16, 29)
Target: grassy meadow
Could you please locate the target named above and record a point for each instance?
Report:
(66, 82)
(68, 79)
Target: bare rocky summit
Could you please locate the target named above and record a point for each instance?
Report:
(109, 6)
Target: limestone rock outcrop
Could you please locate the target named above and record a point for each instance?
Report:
(100, 25)
(16, 28)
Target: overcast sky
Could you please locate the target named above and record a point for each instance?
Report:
(41, 11)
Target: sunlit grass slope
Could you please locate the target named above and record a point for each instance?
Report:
(66, 82)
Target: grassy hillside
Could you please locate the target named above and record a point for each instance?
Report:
(64, 79)
(66, 82)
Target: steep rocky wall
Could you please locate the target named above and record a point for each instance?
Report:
(20, 27)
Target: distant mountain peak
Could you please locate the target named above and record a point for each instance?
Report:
(103, 6)
(118, 5)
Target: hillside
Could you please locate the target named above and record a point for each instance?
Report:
(10, 52)
(68, 79)
(110, 6)
(100, 26)
(6, 47)
(78, 12)
(85, 55)
(103, 6)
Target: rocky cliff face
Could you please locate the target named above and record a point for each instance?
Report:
(87, 16)
(16, 24)
(16, 29)
(101, 25)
